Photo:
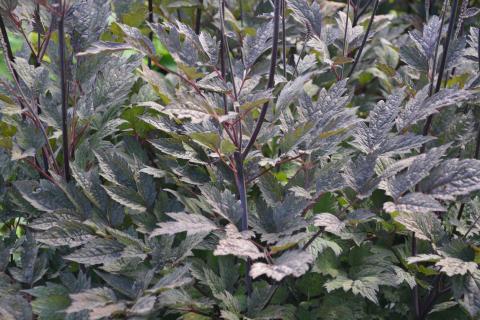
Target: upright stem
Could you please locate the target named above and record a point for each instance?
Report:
(271, 79)
(360, 13)
(223, 72)
(435, 55)
(443, 62)
(364, 40)
(345, 41)
(478, 48)
(150, 34)
(198, 17)
(284, 42)
(8, 48)
(226, 49)
(415, 295)
(64, 89)
(6, 40)
(241, 12)
(241, 186)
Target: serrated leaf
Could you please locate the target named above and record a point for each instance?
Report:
(414, 202)
(238, 244)
(255, 46)
(294, 263)
(426, 225)
(330, 222)
(453, 266)
(178, 278)
(453, 178)
(191, 223)
(309, 15)
(97, 251)
(127, 197)
(90, 299)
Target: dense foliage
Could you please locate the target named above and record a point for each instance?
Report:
(200, 159)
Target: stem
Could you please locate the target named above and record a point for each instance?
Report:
(150, 34)
(222, 52)
(295, 71)
(241, 12)
(434, 66)
(63, 85)
(240, 177)
(284, 43)
(415, 295)
(198, 17)
(345, 42)
(478, 48)
(226, 48)
(364, 40)
(271, 79)
(8, 49)
(443, 62)
(360, 13)
(6, 40)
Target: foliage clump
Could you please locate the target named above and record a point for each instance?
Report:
(285, 159)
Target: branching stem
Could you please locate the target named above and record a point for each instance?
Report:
(364, 40)
(271, 80)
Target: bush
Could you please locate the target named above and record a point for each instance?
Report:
(239, 160)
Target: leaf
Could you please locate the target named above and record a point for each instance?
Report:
(419, 169)
(89, 21)
(105, 47)
(453, 266)
(426, 225)
(308, 15)
(237, 244)
(43, 195)
(174, 148)
(290, 91)
(191, 223)
(223, 202)
(213, 83)
(423, 258)
(178, 278)
(331, 223)
(144, 305)
(137, 40)
(414, 58)
(127, 197)
(90, 299)
(255, 46)
(414, 202)
(97, 251)
(210, 46)
(90, 184)
(115, 168)
(210, 140)
(66, 233)
(471, 300)
(293, 262)
(366, 287)
(421, 106)
(453, 178)
(427, 42)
